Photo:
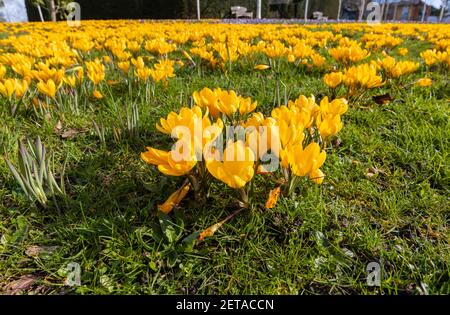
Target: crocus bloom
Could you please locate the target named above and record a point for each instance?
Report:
(364, 76)
(206, 98)
(97, 94)
(174, 199)
(402, 51)
(424, 82)
(236, 169)
(7, 87)
(228, 102)
(48, 88)
(306, 161)
(333, 79)
(317, 176)
(166, 162)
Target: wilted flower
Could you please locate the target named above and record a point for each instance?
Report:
(424, 82)
(174, 199)
(261, 67)
(97, 94)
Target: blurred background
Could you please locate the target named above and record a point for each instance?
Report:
(399, 10)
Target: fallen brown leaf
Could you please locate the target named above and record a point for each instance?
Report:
(35, 251)
(273, 197)
(71, 133)
(20, 285)
(372, 171)
(58, 126)
(213, 228)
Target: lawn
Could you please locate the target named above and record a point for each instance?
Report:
(384, 198)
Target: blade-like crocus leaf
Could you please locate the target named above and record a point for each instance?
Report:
(42, 173)
(22, 158)
(38, 149)
(35, 172)
(37, 179)
(16, 175)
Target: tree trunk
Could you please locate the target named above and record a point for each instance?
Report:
(40, 13)
(258, 9)
(52, 8)
(386, 13)
(339, 11)
(198, 9)
(424, 11)
(441, 15)
(306, 10)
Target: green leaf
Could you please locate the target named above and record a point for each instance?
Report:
(172, 259)
(189, 241)
(21, 231)
(156, 233)
(171, 234)
(153, 266)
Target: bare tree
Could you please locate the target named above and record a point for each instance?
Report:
(53, 7)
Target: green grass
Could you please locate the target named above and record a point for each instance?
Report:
(318, 242)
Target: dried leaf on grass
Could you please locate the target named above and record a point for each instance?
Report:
(20, 285)
(213, 228)
(35, 251)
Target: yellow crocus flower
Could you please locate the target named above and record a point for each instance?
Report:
(174, 199)
(206, 98)
(124, 66)
(333, 79)
(48, 88)
(166, 163)
(20, 88)
(236, 169)
(246, 105)
(317, 176)
(424, 82)
(306, 161)
(97, 94)
(2, 71)
(7, 87)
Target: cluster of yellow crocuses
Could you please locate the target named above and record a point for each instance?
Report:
(222, 136)
(49, 57)
(52, 61)
(368, 75)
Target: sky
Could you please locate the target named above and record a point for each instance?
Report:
(14, 11)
